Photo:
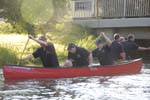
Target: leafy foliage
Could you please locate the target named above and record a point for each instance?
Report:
(37, 11)
(24, 15)
(27, 16)
(87, 42)
(6, 28)
(15, 45)
(7, 56)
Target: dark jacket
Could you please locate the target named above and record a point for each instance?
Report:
(103, 55)
(48, 56)
(80, 58)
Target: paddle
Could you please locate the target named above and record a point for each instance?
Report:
(23, 51)
(30, 30)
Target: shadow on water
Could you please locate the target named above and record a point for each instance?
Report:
(146, 63)
(48, 88)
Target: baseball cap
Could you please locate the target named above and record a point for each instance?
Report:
(98, 41)
(116, 36)
(71, 45)
(43, 38)
(130, 36)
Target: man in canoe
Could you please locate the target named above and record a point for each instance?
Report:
(117, 51)
(102, 52)
(129, 45)
(78, 56)
(46, 52)
(113, 50)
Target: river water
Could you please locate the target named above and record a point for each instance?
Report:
(127, 87)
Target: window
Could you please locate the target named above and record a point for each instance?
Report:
(83, 6)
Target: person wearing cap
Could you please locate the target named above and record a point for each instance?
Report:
(102, 52)
(46, 52)
(117, 51)
(129, 46)
(78, 56)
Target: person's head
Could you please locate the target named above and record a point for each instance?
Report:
(99, 43)
(131, 37)
(43, 38)
(116, 36)
(71, 48)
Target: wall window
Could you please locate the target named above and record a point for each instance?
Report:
(86, 6)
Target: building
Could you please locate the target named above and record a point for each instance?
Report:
(114, 16)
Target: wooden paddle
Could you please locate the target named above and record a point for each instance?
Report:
(23, 51)
(30, 30)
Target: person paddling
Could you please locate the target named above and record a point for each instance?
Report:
(117, 51)
(102, 52)
(46, 52)
(129, 45)
(78, 56)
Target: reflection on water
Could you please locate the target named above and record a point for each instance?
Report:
(128, 87)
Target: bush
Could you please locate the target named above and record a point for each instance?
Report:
(7, 56)
(62, 34)
(88, 42)
(6, 28)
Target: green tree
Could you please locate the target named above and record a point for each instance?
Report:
(25, 15)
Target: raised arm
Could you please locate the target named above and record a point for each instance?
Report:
(107, 39)
(41, 42)
(143, 48)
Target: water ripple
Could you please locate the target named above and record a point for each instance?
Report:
(128, 87)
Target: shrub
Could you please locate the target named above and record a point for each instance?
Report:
(6, 28)
(7, 56)
(88, 42)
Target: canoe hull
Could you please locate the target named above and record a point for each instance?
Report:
(20, 72)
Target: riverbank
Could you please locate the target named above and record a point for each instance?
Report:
(12, 46)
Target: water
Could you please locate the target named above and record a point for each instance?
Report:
(128, 87)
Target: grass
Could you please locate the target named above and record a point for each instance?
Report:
(15, 44)
(7, 56)
(11, 47)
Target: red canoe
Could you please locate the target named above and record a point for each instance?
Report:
(24, 72)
